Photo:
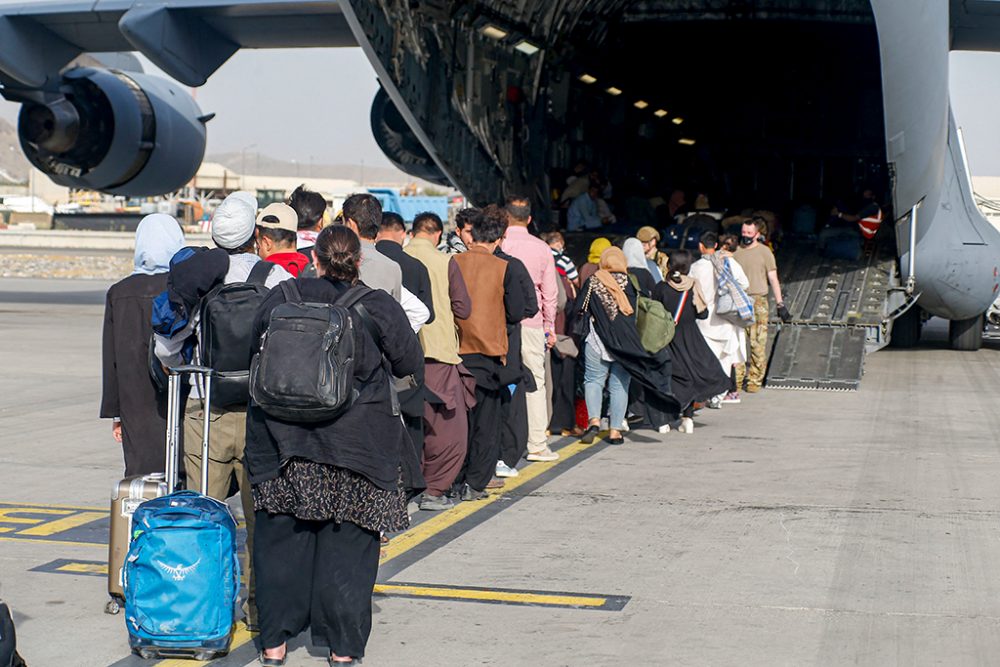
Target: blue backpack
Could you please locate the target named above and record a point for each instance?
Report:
(182, 577)
(731, 302)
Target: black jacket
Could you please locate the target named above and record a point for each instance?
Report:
(415, 276)
(621, 339)
(368, 439)
(129, 391)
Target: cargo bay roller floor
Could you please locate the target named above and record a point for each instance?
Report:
(839, 308)
(798, 528)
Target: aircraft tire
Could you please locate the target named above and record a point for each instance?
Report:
(906, 329)
(966, 335)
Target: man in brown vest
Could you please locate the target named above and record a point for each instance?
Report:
(451, 386)
(483, 345)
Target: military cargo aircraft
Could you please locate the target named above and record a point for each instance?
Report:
(780, 99)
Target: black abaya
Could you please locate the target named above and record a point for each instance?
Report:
(696, 373)
(621, 340)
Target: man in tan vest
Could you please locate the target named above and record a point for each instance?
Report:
(451, 386)
(483, 344)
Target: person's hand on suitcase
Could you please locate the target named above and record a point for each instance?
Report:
(116, 431)
(783, 313)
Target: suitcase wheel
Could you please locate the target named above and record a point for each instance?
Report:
(112, 607)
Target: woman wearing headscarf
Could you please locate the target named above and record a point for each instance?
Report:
(613, 351)
(597, 246)
(637, 266)
(696, 373)
(130, 397)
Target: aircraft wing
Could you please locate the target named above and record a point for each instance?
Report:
(975, 25)
(187, 39)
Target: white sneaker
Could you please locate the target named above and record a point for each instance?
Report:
(715, 402)
(687, 425)
(504, 470)
(664, 429)
(544, 455)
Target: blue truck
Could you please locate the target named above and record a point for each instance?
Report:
(409, 207)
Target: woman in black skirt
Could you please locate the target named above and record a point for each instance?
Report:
(696, 373)
(323, 491)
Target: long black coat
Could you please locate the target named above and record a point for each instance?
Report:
(696, 373)
(621, 339)
(129, 392)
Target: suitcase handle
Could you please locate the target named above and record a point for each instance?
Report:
(174, 421)
(189, 369)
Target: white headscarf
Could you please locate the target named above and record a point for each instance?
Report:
(634, 255)
(157, 238)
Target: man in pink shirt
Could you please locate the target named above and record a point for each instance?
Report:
(538, 332)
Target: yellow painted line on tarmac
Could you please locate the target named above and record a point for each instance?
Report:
(60, 525)
(84, 568)
(419, 534)
(548, 599)
(7, 514)
(67, 543)
(50, 506)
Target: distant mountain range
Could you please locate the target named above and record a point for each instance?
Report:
(258, 164)
(14, 166)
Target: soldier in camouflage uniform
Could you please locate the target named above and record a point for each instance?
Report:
(758, 263)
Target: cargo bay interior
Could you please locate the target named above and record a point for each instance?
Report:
(757, 112)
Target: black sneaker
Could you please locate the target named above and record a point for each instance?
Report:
(469, 493)
(590, 435)
(430, 503)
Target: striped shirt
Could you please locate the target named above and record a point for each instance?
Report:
(564, 264)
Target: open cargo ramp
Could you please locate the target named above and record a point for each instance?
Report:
(839, 309)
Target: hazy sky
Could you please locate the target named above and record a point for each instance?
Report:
(293, 104)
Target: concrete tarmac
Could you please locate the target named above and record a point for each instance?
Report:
(798, 528)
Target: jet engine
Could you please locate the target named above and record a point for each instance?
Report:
(400, 144)
(125, 133)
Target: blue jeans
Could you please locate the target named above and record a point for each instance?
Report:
(595, 374)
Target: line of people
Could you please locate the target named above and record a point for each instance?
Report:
(466, 358)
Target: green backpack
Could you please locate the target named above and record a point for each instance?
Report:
(655, 324)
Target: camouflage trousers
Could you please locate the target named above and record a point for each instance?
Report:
(757, 347)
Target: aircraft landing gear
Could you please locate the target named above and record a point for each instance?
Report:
(966, 335)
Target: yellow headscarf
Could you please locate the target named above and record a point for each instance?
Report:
(598, 246)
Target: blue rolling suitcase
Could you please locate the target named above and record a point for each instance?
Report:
(181, 574)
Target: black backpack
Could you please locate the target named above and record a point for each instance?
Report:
(226, 340)
(304, 371)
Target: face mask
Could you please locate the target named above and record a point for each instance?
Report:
(746, 240)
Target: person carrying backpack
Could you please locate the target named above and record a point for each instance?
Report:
(696, 373)
(725, 337)
(222, 339)
(605, 321)
(324, 460)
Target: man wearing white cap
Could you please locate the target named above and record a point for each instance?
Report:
(277, 226)
(233, 227)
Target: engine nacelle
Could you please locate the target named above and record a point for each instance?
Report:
(124, 133)
(399, 143)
